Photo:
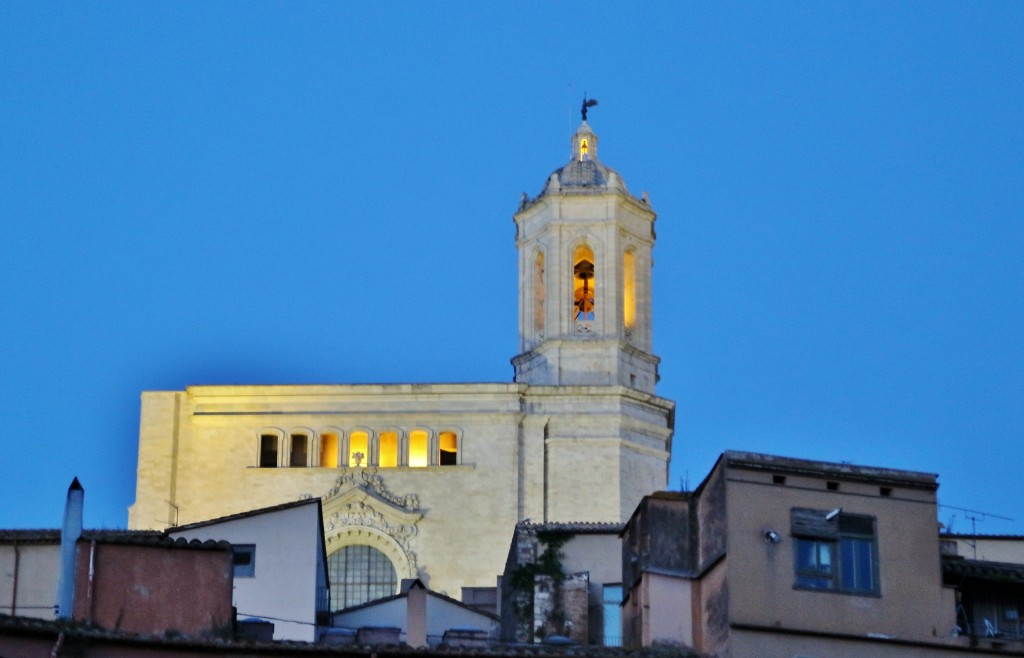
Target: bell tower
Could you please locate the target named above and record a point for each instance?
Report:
(585, 277)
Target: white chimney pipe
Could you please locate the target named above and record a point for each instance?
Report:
(69, 534)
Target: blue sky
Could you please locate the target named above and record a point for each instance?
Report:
(207, 193)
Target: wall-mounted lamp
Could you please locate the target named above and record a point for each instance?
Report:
(833, 514)
(772, 537)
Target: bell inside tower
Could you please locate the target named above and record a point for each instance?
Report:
(583, 285)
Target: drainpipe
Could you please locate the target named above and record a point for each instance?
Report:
(14, 585)
(56, 648)
(92, 580)
(70, 531)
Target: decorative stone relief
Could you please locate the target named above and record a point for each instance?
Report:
(359, 508)
(347, 480)
(360, 513)
(408, 501)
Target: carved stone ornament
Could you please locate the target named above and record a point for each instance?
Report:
(360, 509)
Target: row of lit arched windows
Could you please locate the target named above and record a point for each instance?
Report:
(334, 448)
(584, 289)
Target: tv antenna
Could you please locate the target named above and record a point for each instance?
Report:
(975, 517)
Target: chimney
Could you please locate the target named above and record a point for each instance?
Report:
(69, 534)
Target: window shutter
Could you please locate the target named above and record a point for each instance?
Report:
(812, 523)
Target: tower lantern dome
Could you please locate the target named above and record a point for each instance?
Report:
(584, 172)
(585, 263)
(584, 144)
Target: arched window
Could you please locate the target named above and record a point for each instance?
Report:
(358, 449)
(358, 574)
(447, 449)
(419, 448)
(538, 295)
(584, 150)
(329, 450)
(388, 450)
(628, 290)
(298, 455)
(584, 284)
(270, 446)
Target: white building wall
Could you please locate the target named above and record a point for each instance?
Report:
(284, 588)
(441, 616)
(989, 548)
(28, 579)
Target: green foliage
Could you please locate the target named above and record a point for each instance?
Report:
(549, 563)
(522, 579)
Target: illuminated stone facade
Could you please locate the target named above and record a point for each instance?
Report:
(436, 476)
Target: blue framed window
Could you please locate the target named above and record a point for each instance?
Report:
(835, 552)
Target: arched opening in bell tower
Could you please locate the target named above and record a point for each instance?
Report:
(628, 291)
(584, 286)
(538, 295)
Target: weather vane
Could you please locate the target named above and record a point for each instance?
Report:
(587, 104)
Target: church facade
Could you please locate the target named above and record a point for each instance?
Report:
(429, 480)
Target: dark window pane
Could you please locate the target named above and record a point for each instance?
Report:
(814, 555)
(268, 451)
(858, 564)
(244, 560)
(299, 448)
(805, 554)
(856, 525)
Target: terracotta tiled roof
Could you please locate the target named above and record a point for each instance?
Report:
(244, 515)
(37, 536)
(136, 537)
(1003, 572)
(406, 586)
(573, 527)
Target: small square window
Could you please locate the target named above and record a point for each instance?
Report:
(778, 479)
(244, 560)
(832, 486)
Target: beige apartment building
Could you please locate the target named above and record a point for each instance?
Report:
(428, 480)
(776, 557)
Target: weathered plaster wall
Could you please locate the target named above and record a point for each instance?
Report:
(762, 573)
(152, 589)
(28, 579)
